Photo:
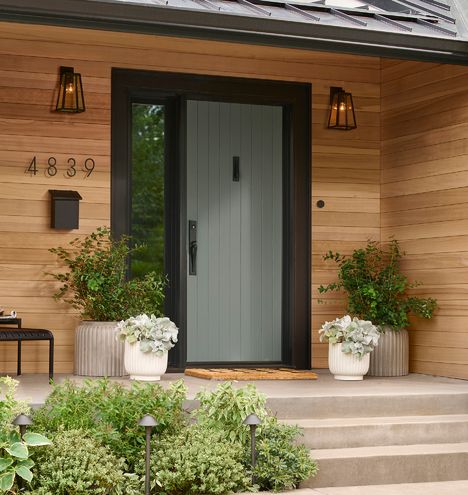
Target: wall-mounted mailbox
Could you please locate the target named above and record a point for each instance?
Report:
(65, 211)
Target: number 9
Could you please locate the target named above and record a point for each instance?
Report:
(89, 165)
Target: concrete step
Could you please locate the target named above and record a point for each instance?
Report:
(389, 465)
(355, 406)
(398, 430)
(436, 488)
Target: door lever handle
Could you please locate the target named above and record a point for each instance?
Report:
(193, 258)
(193, 247)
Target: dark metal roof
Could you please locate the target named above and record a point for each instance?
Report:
(434, 18)
(422, 29)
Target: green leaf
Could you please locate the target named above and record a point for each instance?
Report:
(4, 463)
(36, 439)
(6, 481)
(18, 450)
(24, 473)
(28, 463)
(14, 437)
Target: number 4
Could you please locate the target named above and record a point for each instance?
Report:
(33, 167)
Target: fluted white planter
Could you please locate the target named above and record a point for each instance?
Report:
(345, 366)
(98, 351)
(391, 356)
(145, 366)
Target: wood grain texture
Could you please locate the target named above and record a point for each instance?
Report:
(345, 166)
(424, 190)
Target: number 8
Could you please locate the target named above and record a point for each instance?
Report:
(52, 169)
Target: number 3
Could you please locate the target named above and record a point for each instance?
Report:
(71, 172)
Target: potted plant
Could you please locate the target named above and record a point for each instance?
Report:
(351, 342)
(378, 291)
(148, 340)
(95, 283)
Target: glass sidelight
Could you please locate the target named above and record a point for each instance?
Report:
(148, 152)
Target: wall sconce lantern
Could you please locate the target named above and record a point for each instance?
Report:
(341, 110)
(70, 97)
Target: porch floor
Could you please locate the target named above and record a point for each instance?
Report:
(35, 387)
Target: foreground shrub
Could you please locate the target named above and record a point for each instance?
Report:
(198, 460)
(10, 407)
(110, 412)
(78, 465)
(226, 408)
(282, 464)
(15, 452)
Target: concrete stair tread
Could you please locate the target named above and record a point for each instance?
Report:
(337, 422)
(390, 450)
(435, 488)
(459, 487)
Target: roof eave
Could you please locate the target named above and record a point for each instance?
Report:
(225, 27)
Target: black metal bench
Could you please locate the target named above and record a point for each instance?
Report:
(27, 334)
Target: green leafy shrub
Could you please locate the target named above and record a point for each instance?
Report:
(15, 457)
(375, 287)
(282, 463)
(78, 465)
(15, 454)
(95, 281)
(10, 407)
(110, 412)
(226, 408)
(198, 460)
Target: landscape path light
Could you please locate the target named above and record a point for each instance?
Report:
(149, 422)
(252, 420)
(23, 422)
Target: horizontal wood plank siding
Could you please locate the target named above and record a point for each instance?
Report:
(424, 201)
(346, 165)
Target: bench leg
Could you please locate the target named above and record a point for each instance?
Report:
(51, 359)
(18, 365)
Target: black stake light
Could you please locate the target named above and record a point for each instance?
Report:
(252, 420)
(70, 96)
(341, 116)
(149, 423)
(23, 422)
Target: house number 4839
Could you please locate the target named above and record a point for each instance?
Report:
(71, 168)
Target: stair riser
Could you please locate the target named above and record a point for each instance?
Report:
(384, 434)
(381, 470)
(368, 406)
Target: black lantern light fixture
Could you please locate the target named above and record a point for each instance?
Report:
(70, 96)
(342, 115)
(149, 422)
(23, 422)
(253, 421)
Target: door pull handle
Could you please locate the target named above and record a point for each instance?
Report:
(193, 247)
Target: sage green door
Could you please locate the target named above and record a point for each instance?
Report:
(235, 212)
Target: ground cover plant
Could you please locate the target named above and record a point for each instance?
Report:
(97, 446)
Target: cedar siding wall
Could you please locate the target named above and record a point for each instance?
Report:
(425, 201)
(345, 165)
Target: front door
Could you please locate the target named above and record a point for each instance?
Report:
(234, 232)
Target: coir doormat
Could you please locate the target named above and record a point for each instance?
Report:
(250, 374)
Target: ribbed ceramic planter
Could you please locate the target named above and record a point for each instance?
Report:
(391, 356)
(145, 366)
(98, 351)
(345, 366)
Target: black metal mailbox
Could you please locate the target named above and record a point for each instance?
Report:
(65, 211)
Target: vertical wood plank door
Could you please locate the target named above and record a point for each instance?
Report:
(234, 298)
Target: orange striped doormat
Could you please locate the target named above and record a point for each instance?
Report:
(250, 374)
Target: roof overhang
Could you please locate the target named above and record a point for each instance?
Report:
(128, 17)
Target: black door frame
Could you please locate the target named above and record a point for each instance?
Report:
(174, 89)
